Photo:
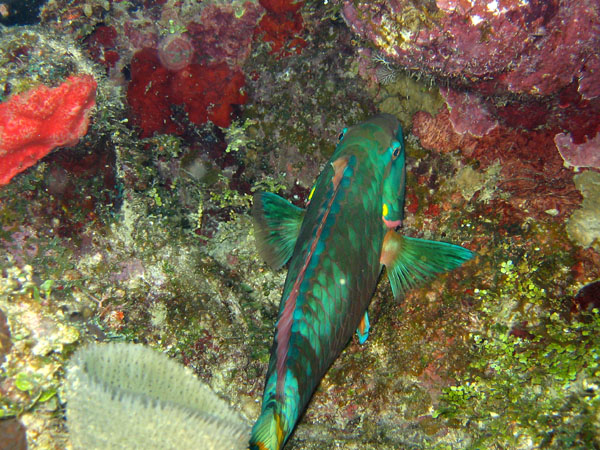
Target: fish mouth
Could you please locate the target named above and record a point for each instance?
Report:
(392, 224)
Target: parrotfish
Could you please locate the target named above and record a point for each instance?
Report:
(336, 248)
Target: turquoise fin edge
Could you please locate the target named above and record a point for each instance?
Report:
(410, 261)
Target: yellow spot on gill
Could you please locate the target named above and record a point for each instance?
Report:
(385, 210)
(312, 191)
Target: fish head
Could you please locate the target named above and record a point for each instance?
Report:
(394, 182)
(378, 141)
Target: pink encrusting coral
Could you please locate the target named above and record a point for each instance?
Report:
(37, 121)
(586, 154)
(222, 34)
(534, 47)
(468, 113)
(531, 169)
(589, 85)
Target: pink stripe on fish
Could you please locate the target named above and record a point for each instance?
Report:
(284, 326)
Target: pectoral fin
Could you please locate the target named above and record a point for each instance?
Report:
(276, 227)
(363, 329)
(411, 261)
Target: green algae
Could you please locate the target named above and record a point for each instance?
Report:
(539, 392)
(470, 181)
(237, 136)
(527, 387)
(41, 339)
(406, 95)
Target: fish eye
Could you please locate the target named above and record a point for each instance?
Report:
(342, 134)
(396, 149)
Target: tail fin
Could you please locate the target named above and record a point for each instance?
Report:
(267, 433)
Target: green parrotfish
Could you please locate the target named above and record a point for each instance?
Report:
(337, 248)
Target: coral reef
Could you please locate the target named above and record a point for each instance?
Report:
(148, 240)
(101, 44)
(209, 92)
(224, 33)
(530, 384)
(31, 56)
(147, 94)
(38, 335)
(169, 48)
(534, 47)
(37, 121)
(468, 114)
(588, 84)
(282, 26)
(206, 92)
(196, 65)
(532, 170)
(301, 103)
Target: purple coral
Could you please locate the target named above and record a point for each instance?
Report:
(534, 47)
(221, 34)
(468, 113)
(579, 155)
(589, 78)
